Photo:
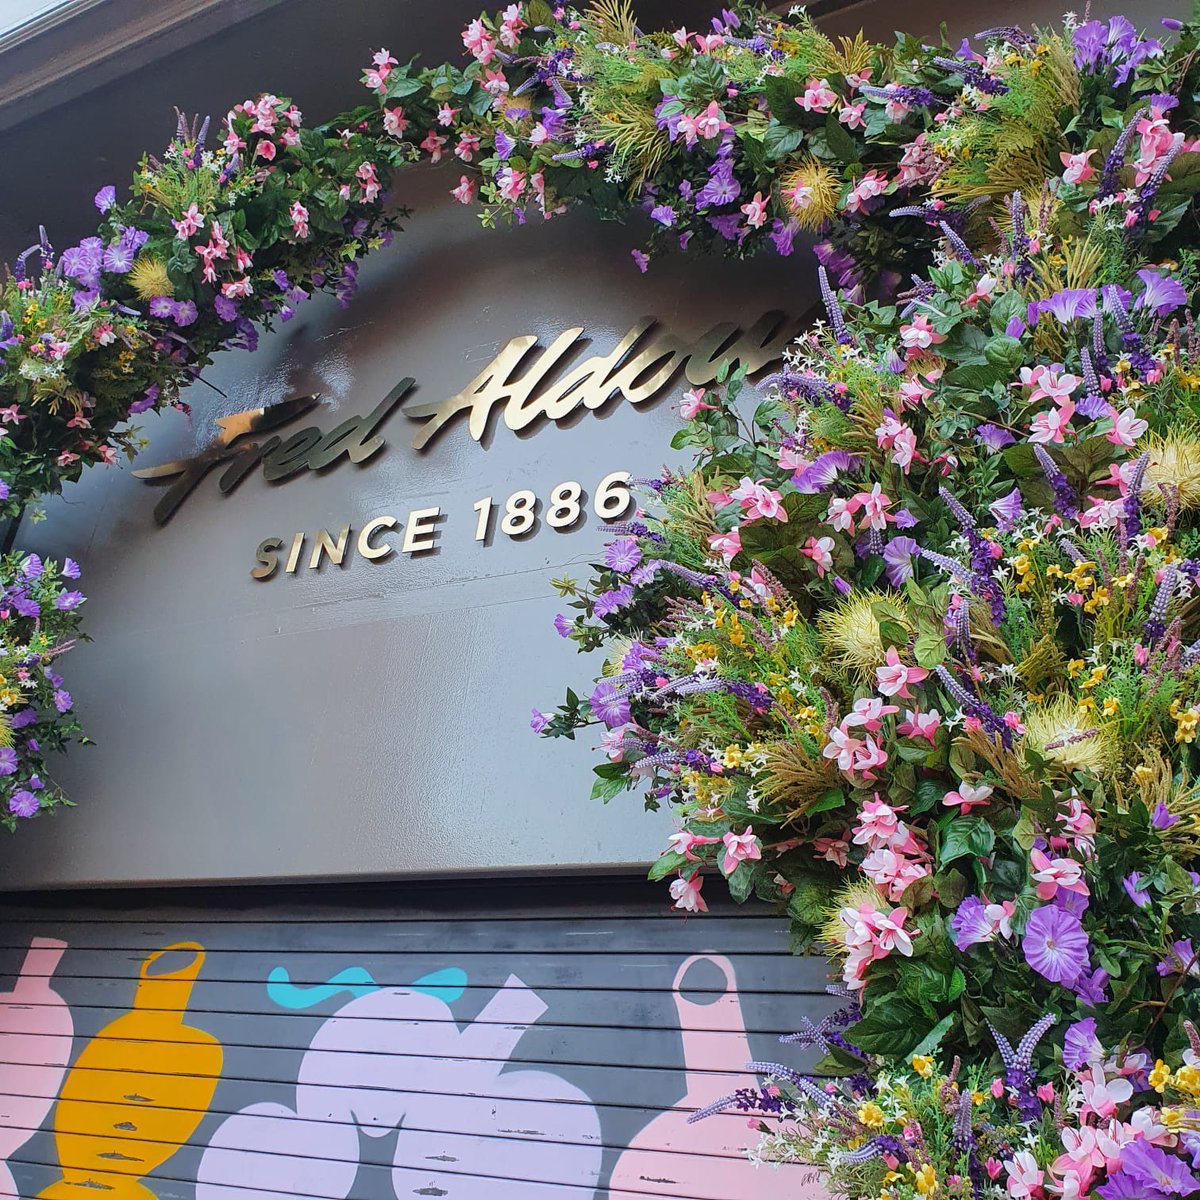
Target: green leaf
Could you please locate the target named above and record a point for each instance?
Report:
(930, 649)
(668, 864)
(927, 795)
(834, 798)
(842, 146)
(930, 1042)
(741, 882)
(967, 835)
(780, 141)
(894, 1027)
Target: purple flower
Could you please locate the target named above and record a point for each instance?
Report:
(22, 717)
(622, 555)
(609, 602)
(1163, 818)
(563, 625)
(994, 438)
(1015, 327)
(1121, 1186)
(105, 198)
(664, 214)
(82, 262)
(133, 237)
(1163, 294)
(970, 925)
(721, 188)
(504, 144)
(1181, 958)
(62, 700)
(32, 567)
(645, 572)
(897, 554)
(4, 490)
(783, 236)
(538, 721)
(185, 313)
(823, 470)
(25, 605)
(610, 704)
(8, 761)
(162, 307)
(1156, 1169)
(1081, 1046)
(65, 601)
(1070, 304)
(1132, 885)
(23, 803)
(642, 259)
(904, 519)
(1055, 944)
(1006, 510)
(225, 308)
(118, 258)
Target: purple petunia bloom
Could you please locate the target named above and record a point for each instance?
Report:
(225, 308)
(783, 236)
(32, 567)
(8, 761)
(538, 721)
(646, 572)
(970, 925)
(504, 144)
(118, 258)
(185, 313)
(1055, 944)
(1162, 295)
(22, 717)
(1015, 327)
(1123, 1186)
(66, 601)
(162, 307)
(664, 214)
(1070, 304)
(1157, 1169)
(641, 259)
(1181, 958)
(823, 470)
(1133, 889)
(897, 554)
(721, 188)
(563, 625)
(23, 803)
(1092, 989)
(62, 700)
(25, 605)
(83, 262)
(1007, 510)
(622, 555)
(609, 602)
(105, 198)
(4, 490)
(1163, 818)
(1081, 1045)
(994, 438)
(610, 704)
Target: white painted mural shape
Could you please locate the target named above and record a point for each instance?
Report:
(378, 1064)
(35, 1041)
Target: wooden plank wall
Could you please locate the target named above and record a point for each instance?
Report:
(484, 1041)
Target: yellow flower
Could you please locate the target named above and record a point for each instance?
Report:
(1187, 1079)
(148, 277)
(1075, 666)
(923, 1065)
(1185, 725)
(871, 1115)
(1110, 708)
(811, 192)
(733, 756)
(1160, 1076)
(925, 1180)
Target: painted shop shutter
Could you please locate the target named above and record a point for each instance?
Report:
(481, 1041)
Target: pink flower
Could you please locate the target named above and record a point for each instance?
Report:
(758, 500)
(1127, 428)
(1101, 1096)
(818, 96)
(1052, 874)
(851, 115)
(468, 146)
(920, 725)
(446, 114)
(843, 747)
(1025, 1177)
(265, 149)
(820, 550)
(686, 894)
(1048, 383)
(891, 871)
(878, 824)
(919, 335)
(189, 223)
(710, 122)
(432, 145)
(237, 287)
(868, 759)
(299, 216)
(465, 192)
(394, 121)
(870, 185)
(1053, 424)
(512, 183)
(1078, 169)
(874, 505)
(739, 847)
(727, 545)
(66, 458)
(893, 678)
(869, 713)
(832, 850)
(479, 42)
(693, 402)
(684, 842)
(968, 796)
(756, 210)
(495, 82)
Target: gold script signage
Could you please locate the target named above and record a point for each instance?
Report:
(531, 384)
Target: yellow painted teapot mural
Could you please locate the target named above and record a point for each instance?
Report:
(138, 1089)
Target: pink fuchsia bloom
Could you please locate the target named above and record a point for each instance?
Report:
(370, 183)
(888, 932)
(818, 96)
(495, 83)
(1053, 874)
(919, 335)
(920, 724)
(843, 747)
(727, 545)
(1127, 428)
(511, 26)
(756, 210)
(479, 42)
(446, 115)
(299, 217)
(1025, 1177)
(892, 872)
(739, 847)
(870, 185)
(869, 713)
(985, 285)
(236, 288)
(433, 144)
(831, 849)
(188, 223)
(968, 796)
(1080, 825)
(394, 121)
(841, 514)
(512, 183)
(878, 824)
(758, 500)
(1102, 1096)
(1156, 141)
(1052, 425)
(915, 392)
(820, 550)
(468, 146)
(265, 149)
(851, 115)
(1048, 383)
(893, 678)
(686, 894)
(465, 192)
(874, 505)
(1077, 169)
(684, 842)
(711, 121)
(693, 402)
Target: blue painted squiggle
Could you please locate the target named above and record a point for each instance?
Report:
(447, 985)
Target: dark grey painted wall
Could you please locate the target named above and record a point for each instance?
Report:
(530, 1044)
